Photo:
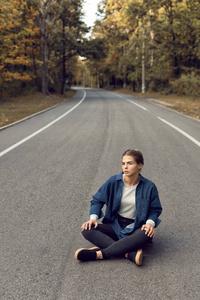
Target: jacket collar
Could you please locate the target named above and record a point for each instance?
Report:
(119, 177)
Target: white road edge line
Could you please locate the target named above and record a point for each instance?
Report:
(41, 129)
(136, 104)
(181, 131)
(130, 101)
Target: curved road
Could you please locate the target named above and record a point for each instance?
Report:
(52, 164)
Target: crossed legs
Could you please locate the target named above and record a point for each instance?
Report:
(105, 238)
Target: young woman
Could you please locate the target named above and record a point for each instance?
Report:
(132, 210)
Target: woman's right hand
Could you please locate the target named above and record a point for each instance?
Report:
(88, 225)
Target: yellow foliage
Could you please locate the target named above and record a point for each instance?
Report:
(18, 61)
(18, 34)
(9, 76)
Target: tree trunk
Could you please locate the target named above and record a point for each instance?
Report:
(175, 64)
(34, 66)
(44, 51)
(143, 62)
(63, 59)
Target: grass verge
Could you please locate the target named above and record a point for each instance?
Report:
(17, 108)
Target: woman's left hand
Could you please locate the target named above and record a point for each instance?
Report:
(149, 230)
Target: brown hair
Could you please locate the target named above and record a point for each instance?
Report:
(136, 154)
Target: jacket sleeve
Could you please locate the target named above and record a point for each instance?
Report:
(99, 200)
(155, 207)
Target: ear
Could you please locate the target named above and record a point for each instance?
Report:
(140, 166)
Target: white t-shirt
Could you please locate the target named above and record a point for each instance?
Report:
(127, 207)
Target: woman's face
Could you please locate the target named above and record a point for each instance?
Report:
(129, 166)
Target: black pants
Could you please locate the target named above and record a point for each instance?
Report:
(106, 239)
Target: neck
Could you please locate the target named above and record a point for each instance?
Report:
(131, 181)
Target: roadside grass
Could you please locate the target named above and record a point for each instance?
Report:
(187, 105)
(16, 108)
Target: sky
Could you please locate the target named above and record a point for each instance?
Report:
(90, 9)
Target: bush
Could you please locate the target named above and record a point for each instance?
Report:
(161, 86)
(186, 85)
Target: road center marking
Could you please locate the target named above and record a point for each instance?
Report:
(181, 131)
(41, 129)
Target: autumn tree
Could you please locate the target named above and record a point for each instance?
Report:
(70, 39)
(61, 31)
(18, 34)
(37, 40)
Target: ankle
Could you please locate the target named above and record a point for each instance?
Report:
(99, 255)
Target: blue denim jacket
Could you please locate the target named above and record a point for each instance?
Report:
(148, 204)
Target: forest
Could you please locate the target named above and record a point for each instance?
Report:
(146, 45)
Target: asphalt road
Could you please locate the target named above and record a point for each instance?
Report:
(50, 167)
